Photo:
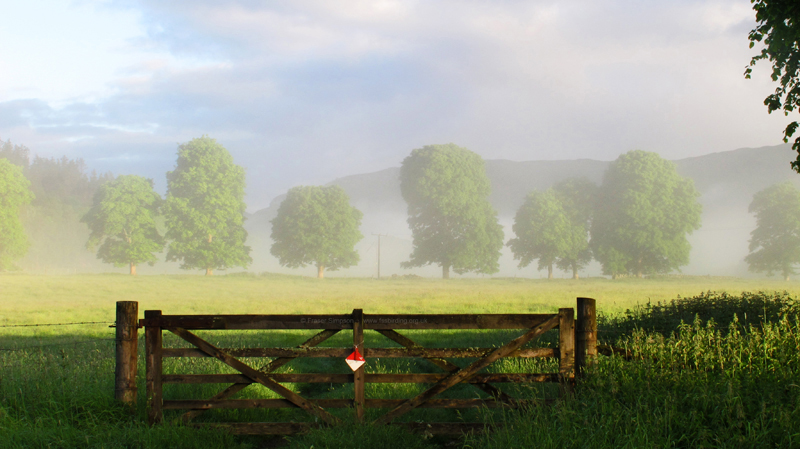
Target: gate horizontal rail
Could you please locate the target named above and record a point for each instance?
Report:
(373, 352)
(199, 404)
(381, 321)
(576, 347)
(350, 378)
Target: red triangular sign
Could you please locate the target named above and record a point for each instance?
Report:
(355, 360)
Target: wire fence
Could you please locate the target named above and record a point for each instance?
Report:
(57, 324)
(63, 343)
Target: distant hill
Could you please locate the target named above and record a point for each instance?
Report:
(726, 181)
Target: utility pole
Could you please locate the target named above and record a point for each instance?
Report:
(379, 252)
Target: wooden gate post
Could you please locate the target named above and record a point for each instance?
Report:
(152, 347)
(566, 348)
(585, 335)
(127, 341)
(358, 375)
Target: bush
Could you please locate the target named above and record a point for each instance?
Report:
(747, 308)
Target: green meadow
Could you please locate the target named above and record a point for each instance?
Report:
(727, 376)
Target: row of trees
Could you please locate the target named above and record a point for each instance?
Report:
(638, 218)
(636, 222)
(641, 228)
(203, 214)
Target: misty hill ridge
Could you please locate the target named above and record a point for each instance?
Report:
(723, 179)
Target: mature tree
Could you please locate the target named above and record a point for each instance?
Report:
(452, 223)
(775, 242)
(778, 27)
(553, 227)
(204, 208)
(577, 199)
(122, 222)
(316, 225)
(643, 214)
(14, 193)
(543, 231)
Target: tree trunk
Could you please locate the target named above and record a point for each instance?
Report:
(133, 269)
(320, 271)
(208, 269)
(445, 271)
(550, 271)
(639, 269)
(574, 272)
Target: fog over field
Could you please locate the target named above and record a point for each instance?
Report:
(725, 180)
(313, 93)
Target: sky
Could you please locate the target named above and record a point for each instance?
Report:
(304, 92)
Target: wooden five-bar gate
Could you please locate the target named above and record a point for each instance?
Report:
(576, 347)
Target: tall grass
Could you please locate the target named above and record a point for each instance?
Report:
(704, 385)
(61, 396)
(713, 370)
(747, 308)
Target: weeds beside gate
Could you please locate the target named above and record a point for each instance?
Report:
(576, 346)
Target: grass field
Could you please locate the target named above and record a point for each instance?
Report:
(702, 387)
(42, 299)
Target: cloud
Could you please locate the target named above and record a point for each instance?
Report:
(306, 91)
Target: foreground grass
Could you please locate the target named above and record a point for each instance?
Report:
(703, 385)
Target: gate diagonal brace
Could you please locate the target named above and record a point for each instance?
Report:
(268, 368)
(461, 375)
(445, 365)
(255, 375)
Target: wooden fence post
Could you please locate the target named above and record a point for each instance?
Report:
(585, 335)
(127, 341)
(152, 346)
(358, 375)
(566, 347)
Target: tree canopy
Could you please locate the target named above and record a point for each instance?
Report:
(16, 154)
(122, 222)
(14, 193)
(775, 242)
(577, 199)
(452, 223)
(553, 227)
(643, 214)
(542, 231)
(778, 27)
(204, 208)
(316, 225)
